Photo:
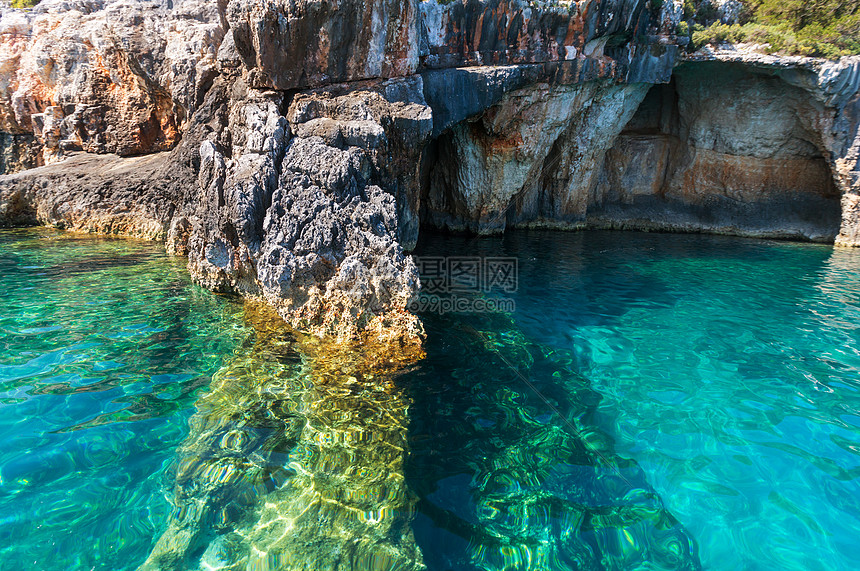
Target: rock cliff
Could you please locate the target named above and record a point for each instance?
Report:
(293, 150)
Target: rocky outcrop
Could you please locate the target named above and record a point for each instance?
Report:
(106, 77)
(301, 145)
(144, 196)
(306, 209)
(93, 193)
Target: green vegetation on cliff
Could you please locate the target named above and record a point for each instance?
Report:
(24, 3)
(822, 28)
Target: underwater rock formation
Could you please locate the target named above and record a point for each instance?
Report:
(546, 488)
(303, 455)
(293, 150)
(295, 460)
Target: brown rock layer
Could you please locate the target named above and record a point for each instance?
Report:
(740, 153)
(106, 77)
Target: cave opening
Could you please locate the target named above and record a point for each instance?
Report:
(719, 149)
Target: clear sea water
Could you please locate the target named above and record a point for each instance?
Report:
(655, 401)
(104, 346)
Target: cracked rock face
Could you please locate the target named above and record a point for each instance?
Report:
(519, 31)
(106, 77)
(306, 43)
(531, 159)
(330, 259)
(302, 210)
(390, 121)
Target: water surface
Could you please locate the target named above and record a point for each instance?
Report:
(726, 369)
(653, 401)
(104, 347)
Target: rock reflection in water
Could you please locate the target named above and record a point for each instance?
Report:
(295, 461)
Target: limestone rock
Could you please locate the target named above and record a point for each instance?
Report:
(499, 32)
(106, 76)
(830, 115)
(314, 223)
(531, 159)
(332, 258)
(235, 182)
(740, 152)
(292, 44)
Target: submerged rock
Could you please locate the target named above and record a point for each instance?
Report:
(302, 456)
(295, 461)
(513, 465)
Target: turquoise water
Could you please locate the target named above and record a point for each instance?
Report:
(104, 345)
(654, 401)
(727, 369)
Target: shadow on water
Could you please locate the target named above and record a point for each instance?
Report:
(511, 461)
(506, 483)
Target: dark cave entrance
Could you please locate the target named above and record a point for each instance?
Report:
(721, 149)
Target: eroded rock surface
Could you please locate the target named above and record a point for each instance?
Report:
(308, 209)
(305, 43)
(530, 159)
(725, 150)
(106, 77)
(824, 99)
(303, 144)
